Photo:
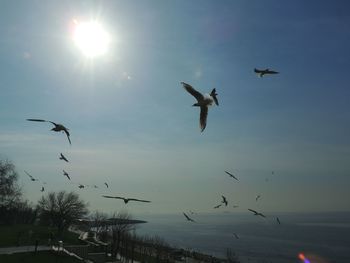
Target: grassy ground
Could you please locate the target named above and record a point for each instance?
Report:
(40, 257)
(22, 235)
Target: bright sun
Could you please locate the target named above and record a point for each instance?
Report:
(91, 38)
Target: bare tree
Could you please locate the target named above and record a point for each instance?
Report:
(61, 209)
(120, 224)
(10, 192)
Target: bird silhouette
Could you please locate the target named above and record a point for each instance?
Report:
(203, 101)
(62, 157)
(263, 72)
(256, 213)
(278, 220)
(257, 198)
(58, 127)
(188, 218)
(106, 184)
(66, 174)
(236, 236)
(42, 189)
(231, 175)
(217, 206)
(81, 186)
(31, 177)
(224, 200)
(126, 200)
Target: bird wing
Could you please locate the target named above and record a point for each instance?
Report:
(213, 95)
(115, 197)
(203, 117)
(67, 133)
(139, 200)
(54, 123)
(199, 96)
(260, 214)
(188, 218)
(39, 120)
(278, 220)
(231, 175)
(218, 206)
(255, 212)
(257, 70)
(271, 72)
(64, 158)
(106, 185)
(31, 177)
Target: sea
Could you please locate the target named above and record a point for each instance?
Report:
(300, 237)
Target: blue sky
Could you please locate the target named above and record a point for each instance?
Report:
(132, 123)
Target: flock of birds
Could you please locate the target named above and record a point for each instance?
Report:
(204, 101)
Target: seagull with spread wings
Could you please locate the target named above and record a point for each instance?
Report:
(66, 174)
(231, 175)
(58, 127)
(126, 200)
(62, 157)
(42, 189)
(188, 218)
(31, 177)
(106, 184)
(224, 200)
(256, 213)
(203, 101)
(263, 72)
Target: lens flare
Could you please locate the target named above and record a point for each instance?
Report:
(303, 258)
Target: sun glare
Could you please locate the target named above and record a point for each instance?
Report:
(91, 38)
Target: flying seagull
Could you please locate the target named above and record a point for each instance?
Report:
(58, 127)
(188, 218)
(31, 177)
(203, 101)
(217, 206)
(278, 220)
(106, 184)
(224, 201)
(81, 186)
(66, 174)
(126, 200)
(231, 175)
(236, 236)
(257, 197)
(42, 189)
(256, 213)
(263, 72)
(62, 157)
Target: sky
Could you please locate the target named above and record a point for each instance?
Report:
(133, 125)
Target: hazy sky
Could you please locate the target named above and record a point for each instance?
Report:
(132, 124)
